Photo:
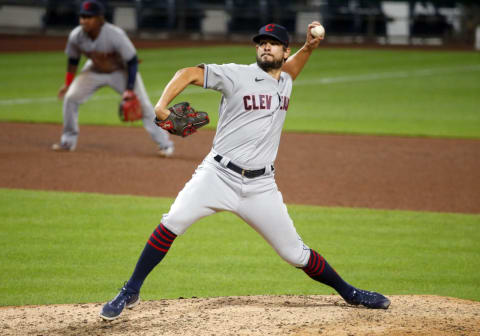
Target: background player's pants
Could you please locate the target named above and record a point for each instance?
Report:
(86, 83)
(257, 201)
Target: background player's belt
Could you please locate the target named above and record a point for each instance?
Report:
(241, 171)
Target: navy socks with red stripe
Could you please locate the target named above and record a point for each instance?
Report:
(156, 248)
(161, 239)
(318, 269)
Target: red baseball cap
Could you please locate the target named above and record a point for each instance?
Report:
(275, 31)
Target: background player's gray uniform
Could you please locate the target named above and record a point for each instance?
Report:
(251, 116)
(106, 66)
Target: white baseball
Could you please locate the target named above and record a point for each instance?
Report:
(318, 31)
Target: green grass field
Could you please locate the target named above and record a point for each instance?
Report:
(68, 247)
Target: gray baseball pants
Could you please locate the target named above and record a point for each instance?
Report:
(86, 83)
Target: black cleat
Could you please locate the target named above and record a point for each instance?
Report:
(368, 299)
(114, 308)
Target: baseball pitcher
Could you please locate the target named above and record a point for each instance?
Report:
(238, 174)
(112, 61)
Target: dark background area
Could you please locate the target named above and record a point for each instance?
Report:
(363, 19)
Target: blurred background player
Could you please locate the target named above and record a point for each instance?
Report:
(112, 60)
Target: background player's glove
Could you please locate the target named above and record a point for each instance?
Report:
(130, 108)
(183, 120)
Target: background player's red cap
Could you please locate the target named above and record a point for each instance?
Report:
(92, 8)
(274, 30)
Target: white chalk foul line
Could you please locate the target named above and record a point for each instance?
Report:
(40, 100)
(318, 81)
(388, 75)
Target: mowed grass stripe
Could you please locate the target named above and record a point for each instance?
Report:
(318, 81)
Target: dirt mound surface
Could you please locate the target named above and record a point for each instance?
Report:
(252, 315)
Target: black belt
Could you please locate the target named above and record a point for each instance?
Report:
(241, 171)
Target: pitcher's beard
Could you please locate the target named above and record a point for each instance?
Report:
(269, 65)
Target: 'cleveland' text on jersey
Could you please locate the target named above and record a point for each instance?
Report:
(262, 102)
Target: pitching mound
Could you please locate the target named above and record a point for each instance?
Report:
(252, 315)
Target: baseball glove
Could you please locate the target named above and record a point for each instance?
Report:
(183, 120)
(130, 108)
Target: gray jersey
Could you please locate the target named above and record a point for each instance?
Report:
(251, 113)
(108, 52)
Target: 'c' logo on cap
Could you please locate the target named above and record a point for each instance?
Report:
(87, 5)
(270, 27)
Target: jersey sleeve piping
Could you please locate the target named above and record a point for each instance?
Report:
(205, 76)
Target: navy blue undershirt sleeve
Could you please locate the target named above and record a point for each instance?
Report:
(73, 61)
(132, 68)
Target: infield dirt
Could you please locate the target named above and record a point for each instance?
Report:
(329, 170)
(252, 316)
(377, 172)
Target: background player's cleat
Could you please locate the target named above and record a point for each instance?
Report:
(368, 299)
(114, 308)
(62, 147)
(166, 152)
